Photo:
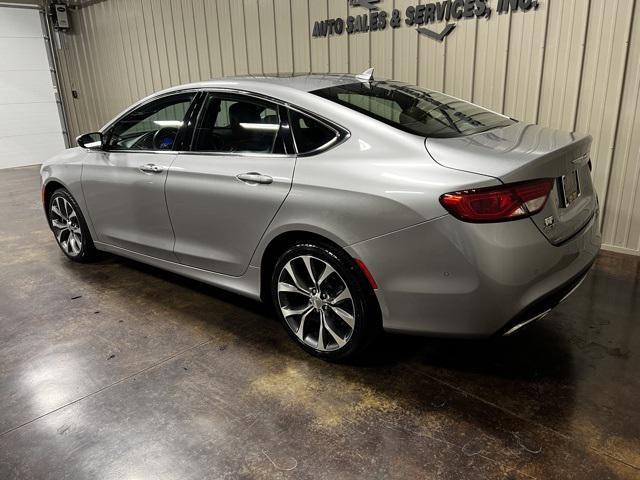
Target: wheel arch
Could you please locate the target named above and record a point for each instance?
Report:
(50, 186)
(277, 245)
(53, 183)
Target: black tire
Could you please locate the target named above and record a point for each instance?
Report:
(82, 251)
(365, 309)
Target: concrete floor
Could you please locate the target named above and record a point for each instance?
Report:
(120, 371)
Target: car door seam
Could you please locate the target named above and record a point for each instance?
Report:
(166, 204)
(293, 174)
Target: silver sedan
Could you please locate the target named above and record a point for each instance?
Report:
(351, 204)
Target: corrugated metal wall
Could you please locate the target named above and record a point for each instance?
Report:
(571, 64)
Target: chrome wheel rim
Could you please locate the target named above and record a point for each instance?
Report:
(66, 226)
(316, 303)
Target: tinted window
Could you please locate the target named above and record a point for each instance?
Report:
(309, 134)
(153, 126)
(237, 124)
(415, 110)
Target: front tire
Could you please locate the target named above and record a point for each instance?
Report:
(324, 301)
(69, 227)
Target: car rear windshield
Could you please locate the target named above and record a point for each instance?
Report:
(413, 109)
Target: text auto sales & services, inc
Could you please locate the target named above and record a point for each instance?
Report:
(416, 15)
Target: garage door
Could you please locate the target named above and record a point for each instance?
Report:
(30, 128)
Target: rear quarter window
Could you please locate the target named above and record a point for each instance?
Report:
(310, 134)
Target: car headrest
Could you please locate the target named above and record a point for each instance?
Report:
(244, 113)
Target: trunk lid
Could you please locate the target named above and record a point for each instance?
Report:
(522, 152)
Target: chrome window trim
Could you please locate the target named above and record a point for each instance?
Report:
(336, 138)
(140, 104)
(239, 154)
(143, 102)
(338, 129)
(152, 152)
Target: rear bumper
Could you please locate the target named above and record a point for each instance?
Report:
(541, 307)
(450, 278)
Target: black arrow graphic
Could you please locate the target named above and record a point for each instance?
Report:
(370, 4)
(437, 36)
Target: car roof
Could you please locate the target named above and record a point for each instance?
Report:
(293, 88)
(301, 82)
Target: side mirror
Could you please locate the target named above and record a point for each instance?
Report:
(92, 141)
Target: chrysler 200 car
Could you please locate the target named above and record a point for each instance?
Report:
(354, 205)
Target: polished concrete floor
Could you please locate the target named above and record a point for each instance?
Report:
(116, 370)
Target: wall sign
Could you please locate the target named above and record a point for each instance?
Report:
(419, 16)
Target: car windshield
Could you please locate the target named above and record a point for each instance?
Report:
(414, 109)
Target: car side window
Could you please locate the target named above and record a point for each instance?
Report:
(236, 124)
(309, 134)
(153, 126)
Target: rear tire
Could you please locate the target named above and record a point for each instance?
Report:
(69, 227)
(324, 301)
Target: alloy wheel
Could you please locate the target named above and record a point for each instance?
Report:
(316, 303)
(66, 226)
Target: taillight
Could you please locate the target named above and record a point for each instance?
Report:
(499, 204)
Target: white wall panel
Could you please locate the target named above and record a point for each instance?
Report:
(30, 129)
(359, 49)
(562, 67)
(251, 20)
(23, 119)
(19, 86)
(300, 35)
(524, 65)
(318, 10)
(431, 70)
(492, 52)
(460, 60)
(267, 34)
(622, 218)
(20, 22)
(21, 53)
(339, 44)
(28, 149)
(405, 49)
(605, 62)
(282, 23)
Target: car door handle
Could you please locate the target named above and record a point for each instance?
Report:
(151, 168)
(254, 178)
